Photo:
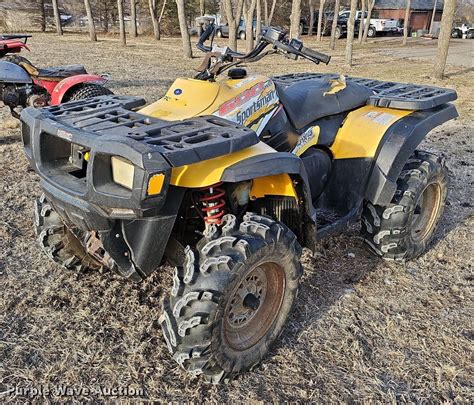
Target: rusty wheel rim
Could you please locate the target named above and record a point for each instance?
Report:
(426, 212)
(254, 306)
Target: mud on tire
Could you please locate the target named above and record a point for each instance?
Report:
(58, 242)
(402, 230)
(208, 326)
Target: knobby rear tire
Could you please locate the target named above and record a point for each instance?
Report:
(390, 230)
(87, 90)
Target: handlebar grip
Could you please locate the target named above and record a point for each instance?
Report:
(316, 55)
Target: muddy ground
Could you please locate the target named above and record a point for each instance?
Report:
(362, 328)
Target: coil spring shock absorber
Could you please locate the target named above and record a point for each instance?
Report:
(213, 203)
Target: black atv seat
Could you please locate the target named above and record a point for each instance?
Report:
(62, 71)
(305, 101)
(51, 73)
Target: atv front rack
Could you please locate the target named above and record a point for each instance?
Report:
(179, 142)
(401, 96)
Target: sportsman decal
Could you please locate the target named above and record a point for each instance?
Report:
(246, 107)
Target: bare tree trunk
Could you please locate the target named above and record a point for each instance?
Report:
(362, 22)
(202, 11)
(350, 33)
(311, 18)
(160, 18)
(154, 19)
(370, 5)
(92, 35)
(42, 15)
(105, 23)
(249, 10)
(57, 18)
(123, 36)
(444, 37)
(406, 23)
(265, 12)
(433, 17)
(295, 19)
(258, 28)
(133, 17)
(183, 26)
(337, 5)
(272, 11)
(233, 20)
(320, 20)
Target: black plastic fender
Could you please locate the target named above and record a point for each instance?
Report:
(398, 144)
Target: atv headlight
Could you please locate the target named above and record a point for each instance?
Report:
(123, 172)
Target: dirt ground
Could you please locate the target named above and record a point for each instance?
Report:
(362, 329)
(461, 51)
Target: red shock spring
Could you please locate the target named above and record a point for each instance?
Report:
(213, 203)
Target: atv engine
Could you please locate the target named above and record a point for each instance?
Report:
(26, 95)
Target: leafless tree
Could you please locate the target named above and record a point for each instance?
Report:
(123, 36)
(362, 22)
(57, 17)
(42, 15)
(337, 5)
(272, 12)
(370, 5)
(258, 28)
(433, 16)
(311, 18)
(406, 23)
(133, 17)
(295, 19)
(350, 33)
(233, 20)
(202, 11)
(320, 20)
(156, 20)
(183, 26)
(249, 10)
(90, 19)
(444, 37)
(106, 11)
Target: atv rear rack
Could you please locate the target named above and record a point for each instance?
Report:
(401, 96)
(179, 142)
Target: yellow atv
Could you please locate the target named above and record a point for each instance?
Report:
(227, 178)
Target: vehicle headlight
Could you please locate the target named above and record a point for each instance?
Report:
(123, 172)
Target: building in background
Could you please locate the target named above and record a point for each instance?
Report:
(420, 13)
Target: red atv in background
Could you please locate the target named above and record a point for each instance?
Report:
(23, 84)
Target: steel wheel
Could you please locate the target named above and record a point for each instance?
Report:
(254, 306)
(426, 212)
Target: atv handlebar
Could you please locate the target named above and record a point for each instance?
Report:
(271, 36)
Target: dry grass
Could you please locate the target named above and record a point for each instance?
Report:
(362, 329)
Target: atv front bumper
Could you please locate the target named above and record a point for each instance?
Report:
(98, 159)
(76, 177)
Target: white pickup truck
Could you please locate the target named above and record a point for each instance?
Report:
(377, 25)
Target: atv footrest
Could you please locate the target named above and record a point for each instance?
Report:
(401, 96)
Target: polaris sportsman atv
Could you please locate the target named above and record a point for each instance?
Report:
(22, 84)
(227, 179)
